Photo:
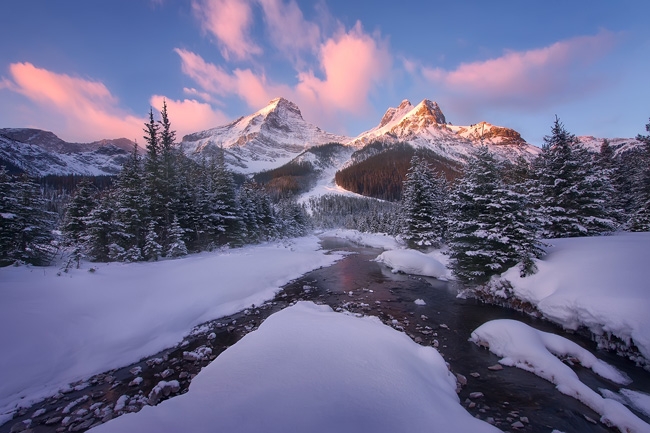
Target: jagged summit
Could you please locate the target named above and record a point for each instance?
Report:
(425, 125)
(265, 139)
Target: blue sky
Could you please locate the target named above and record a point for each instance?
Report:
(88, 70)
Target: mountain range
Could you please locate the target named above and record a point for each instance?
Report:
(277, 135)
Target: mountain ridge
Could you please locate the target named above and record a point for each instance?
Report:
(274, 136)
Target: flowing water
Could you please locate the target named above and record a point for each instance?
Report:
(358, 284)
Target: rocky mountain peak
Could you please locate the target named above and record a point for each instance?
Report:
(395, 113)
(430, 110)
(282, 105)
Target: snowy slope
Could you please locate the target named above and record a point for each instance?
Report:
(39, 153)
(55, 330)
(263, 140)
(425, 126)
(620, 145)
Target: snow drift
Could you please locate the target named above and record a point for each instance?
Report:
(308, 369)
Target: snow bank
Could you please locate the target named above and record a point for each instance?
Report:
(414, 262)
(308, 369)
(597, 282)
(373, 240)
(535, 351)
(58, 329)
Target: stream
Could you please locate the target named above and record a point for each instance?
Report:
(359, 285)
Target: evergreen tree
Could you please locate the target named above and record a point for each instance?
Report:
(169, 181)
(640, 218)
(176, 247)
(153, 171)
(74, 227)
(100, 227)
(489, 227)
(569, 194)
(152, 249)
(424, 205)
(26, 226)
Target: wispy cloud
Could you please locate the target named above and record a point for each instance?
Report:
(189, 115)
(350, 66)
(533, 78)
(229, 21)
(85, 110)
(87, 107)
(288, 29)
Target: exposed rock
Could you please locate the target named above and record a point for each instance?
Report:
(475, 395)
(496, 367)
(517, 424)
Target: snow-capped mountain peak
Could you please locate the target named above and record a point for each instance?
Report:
(266, 139)
(425, 126)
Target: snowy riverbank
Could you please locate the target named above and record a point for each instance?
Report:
(55, 330)
(599, 283)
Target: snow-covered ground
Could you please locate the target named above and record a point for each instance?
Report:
(532, 350)
(416, 263)
(308, 369)
(373, 240)
(55, 330)
(602, 283)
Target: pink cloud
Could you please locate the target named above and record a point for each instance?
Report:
(229, 22)
(353, 63)
(188, 116)
(536, 76)
(87, 109)
(288, 29)
(210, 77)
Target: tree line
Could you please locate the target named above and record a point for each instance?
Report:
(162, 204)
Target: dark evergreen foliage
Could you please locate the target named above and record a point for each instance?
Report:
(25, 224)
(570, 192)
(424, 205)
(379, 169)
(489, 227)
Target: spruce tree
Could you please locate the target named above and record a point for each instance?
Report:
(640, 215)
(569, 195)
(75, 227)
(489, 226)
(100, 228)
(26, 224)
(130, 214)
(152, 250)
(176, 247)
(423, 205)
(153, 171)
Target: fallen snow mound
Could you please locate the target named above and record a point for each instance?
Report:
(597, 282)
(308, 369)
(532, 350)
(413, 262)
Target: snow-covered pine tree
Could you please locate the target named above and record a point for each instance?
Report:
(423, 205)
(77, 211)
(168, 182)
(225, 215)
(152, 250)
(130, 212)
(100, 228)
(27, 222)
(640, 218)
(176, 246)
(153, 184)
(489, 228)
(569, 195)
